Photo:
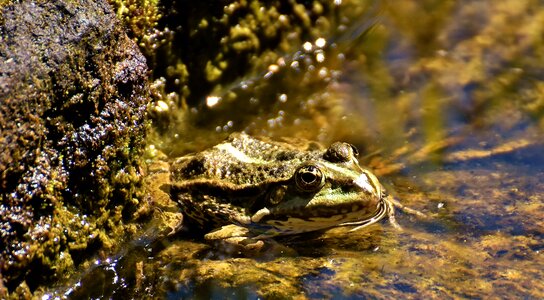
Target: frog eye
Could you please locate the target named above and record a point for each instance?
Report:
(340, 152)
(309, 178)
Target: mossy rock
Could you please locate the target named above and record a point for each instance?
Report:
(73, 100)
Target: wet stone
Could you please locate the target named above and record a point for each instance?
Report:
(73, 98)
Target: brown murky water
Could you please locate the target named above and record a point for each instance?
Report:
(446, 101)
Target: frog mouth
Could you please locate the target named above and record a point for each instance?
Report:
(272, 225)
(384, 208)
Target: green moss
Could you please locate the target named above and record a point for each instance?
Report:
(227, 40)
(73, 125)
(141, 18)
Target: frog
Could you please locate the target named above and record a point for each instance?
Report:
(254, 188)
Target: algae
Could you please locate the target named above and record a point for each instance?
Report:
(73, 96)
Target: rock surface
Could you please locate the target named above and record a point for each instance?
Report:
(73, 99)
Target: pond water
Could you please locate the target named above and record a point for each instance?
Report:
(445, 100)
